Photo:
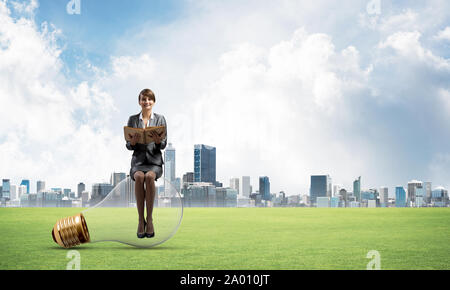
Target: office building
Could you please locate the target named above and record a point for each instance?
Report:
(49, 199)
(80, 188)
(428, 191)
(99, 192)
(169, 171)
(204, 163)
(344, 197)
(420, 196)
(6, 189)
(323, 201)
(21, 190)
(85, 198)
(439, 197)
(130, 196)
(234, 184)
(188, 177)
(116, 178)
(264, 188)
(384, 196)
(26, 182)
(200, 194)
(370, 194)
(14, 193)
(336, 189)
(357, 188)
(320, 187)
(40, 185)
(400, 196)
(231, 197)
(56, 189)
(245, 186)
(170, 163)
(411, 196)
(334, 201)
(66, 192)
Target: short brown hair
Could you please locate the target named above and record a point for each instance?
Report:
(147, 93)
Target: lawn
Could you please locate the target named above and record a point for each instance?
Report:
(245, 238)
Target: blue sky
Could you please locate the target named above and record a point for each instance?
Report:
(93, 34)
(283, 89)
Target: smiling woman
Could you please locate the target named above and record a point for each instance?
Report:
(147, 161)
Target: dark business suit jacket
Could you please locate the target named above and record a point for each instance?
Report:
(150, 153)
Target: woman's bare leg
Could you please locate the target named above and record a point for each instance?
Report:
(139, 192)
(150, 193)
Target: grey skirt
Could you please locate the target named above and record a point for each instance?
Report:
(146, 168)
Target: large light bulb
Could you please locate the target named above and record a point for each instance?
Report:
(115, 218)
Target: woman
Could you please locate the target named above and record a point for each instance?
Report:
(147, 161)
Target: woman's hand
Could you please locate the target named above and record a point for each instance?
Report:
(134, 138)
(156, 137)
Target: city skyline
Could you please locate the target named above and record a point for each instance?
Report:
(277, 90)
(200, 188)
(237, 184)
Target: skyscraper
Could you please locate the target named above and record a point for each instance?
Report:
(428, 191)
(14, 193)
(420, 196)
(26, 182)
(384, 196)
(117, 177)
(204, 163)
(169, 170)
(411, 196)
(188, 177)
(357, 188)
(264, 188)
(80, 188)
(6, 190)
(344, 197)
(245, 186)
(439, 197)
(320, 187)
(234, 184)
(400, 197)
(99, 192)
(40, 185)
(169, 162)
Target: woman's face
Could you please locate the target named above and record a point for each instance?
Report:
(146, 103)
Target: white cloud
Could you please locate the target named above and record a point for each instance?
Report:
(407, 44)
(277, 100)
(42, 131)
(129, 67)
(25, 7)
(270, 112)
(443, 34)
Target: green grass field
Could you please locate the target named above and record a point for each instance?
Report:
(246, 238)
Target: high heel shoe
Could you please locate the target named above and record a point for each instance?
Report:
(149, 235)
(142, 235)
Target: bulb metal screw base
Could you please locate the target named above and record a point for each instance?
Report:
(71, 231)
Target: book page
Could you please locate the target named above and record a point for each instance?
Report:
(160, 130)
(127, 131)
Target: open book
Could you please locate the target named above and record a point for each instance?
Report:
(146, 136)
